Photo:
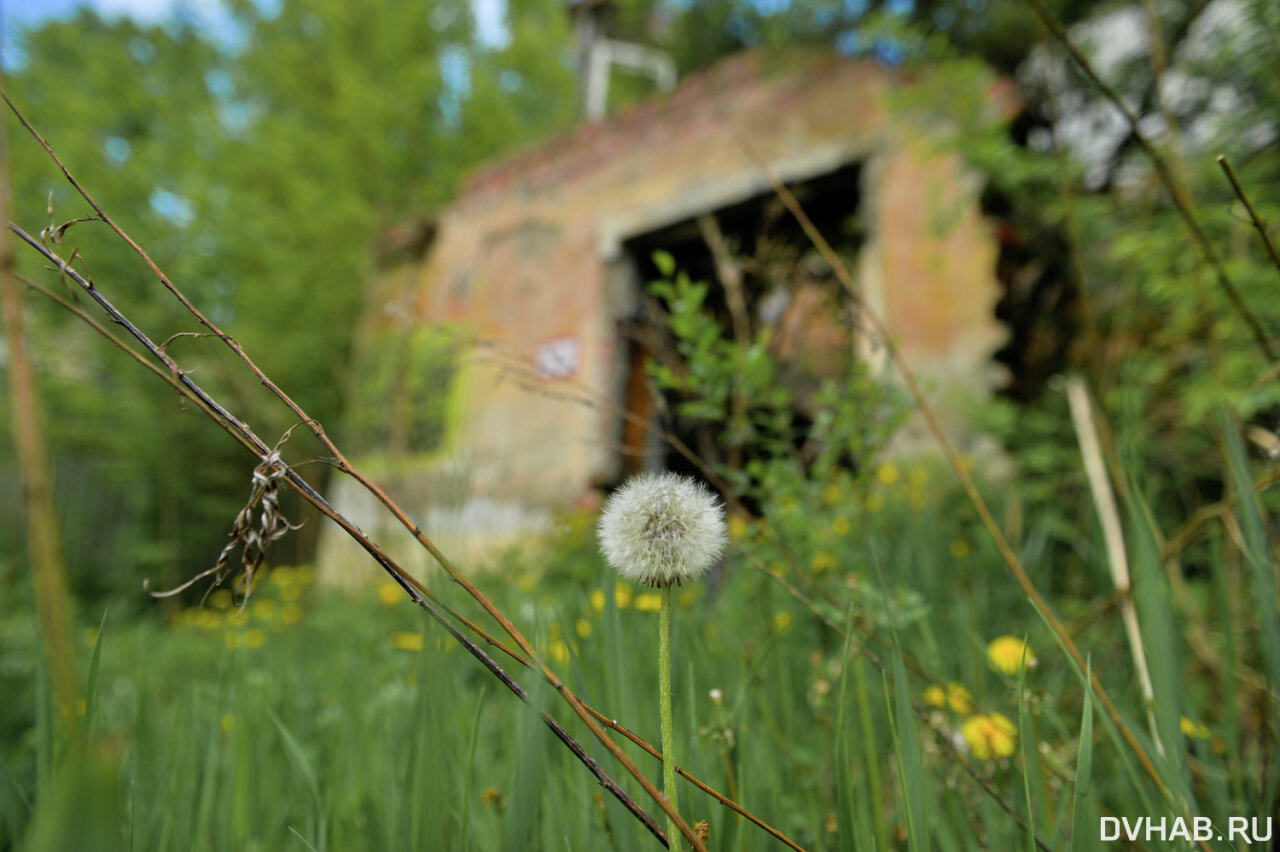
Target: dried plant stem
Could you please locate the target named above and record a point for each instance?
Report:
(1258, 224)
(346, 467)
(1105, 503)
(43, 544)
(1177, 191)
(664, 712)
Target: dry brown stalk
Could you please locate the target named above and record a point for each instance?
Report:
(43, 544)
(1258, 224)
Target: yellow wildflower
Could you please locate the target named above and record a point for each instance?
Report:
(283, 575)
(782, 621)
(583, 628)
(597, 600)
(390, 594)
(208, 619)
(823, 561)
(959, 548)
(220, 599)
(738, 528)
(831, 493)
(990, 735)
(887, 474)
(955, 696)
(228, 723)
(622, 595)
(559, 651)
(265, 610)
(1193, 729)
(840, 525)
(254, 638)
(406, 641)
(648, 602)
(1006, 654)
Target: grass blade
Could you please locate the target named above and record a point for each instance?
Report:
(92, 688)
(1082, 811)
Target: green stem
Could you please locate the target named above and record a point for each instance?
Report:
(664, 710)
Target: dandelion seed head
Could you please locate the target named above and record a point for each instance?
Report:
(662, 528)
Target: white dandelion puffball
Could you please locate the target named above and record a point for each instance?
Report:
(662, 528)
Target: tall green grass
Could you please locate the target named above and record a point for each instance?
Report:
(315, 720)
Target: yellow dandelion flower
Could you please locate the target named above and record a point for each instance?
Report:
(583, 628)
(782, 621)
(831, 493)
(283, 575)
(887, 474)
(597, 600)
(406, 641)
(840, 525)
(390, 594)
(738, 528)
(265, 610)
(207, 619)
(959, 548)
(648, 602)
(622, 595)
(1193, 729)
(954, 696)
(823, 561)
(560, 651)
(220, 599)
(1006, 654)
(254, 638)
(990, 735)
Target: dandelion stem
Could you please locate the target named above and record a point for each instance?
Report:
(664, 711)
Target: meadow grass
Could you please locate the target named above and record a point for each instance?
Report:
(316, 720)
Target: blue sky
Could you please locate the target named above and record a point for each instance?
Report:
(30, 13)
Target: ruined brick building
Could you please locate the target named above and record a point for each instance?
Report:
(486, 317)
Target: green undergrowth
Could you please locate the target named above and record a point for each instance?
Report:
(316, 720)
